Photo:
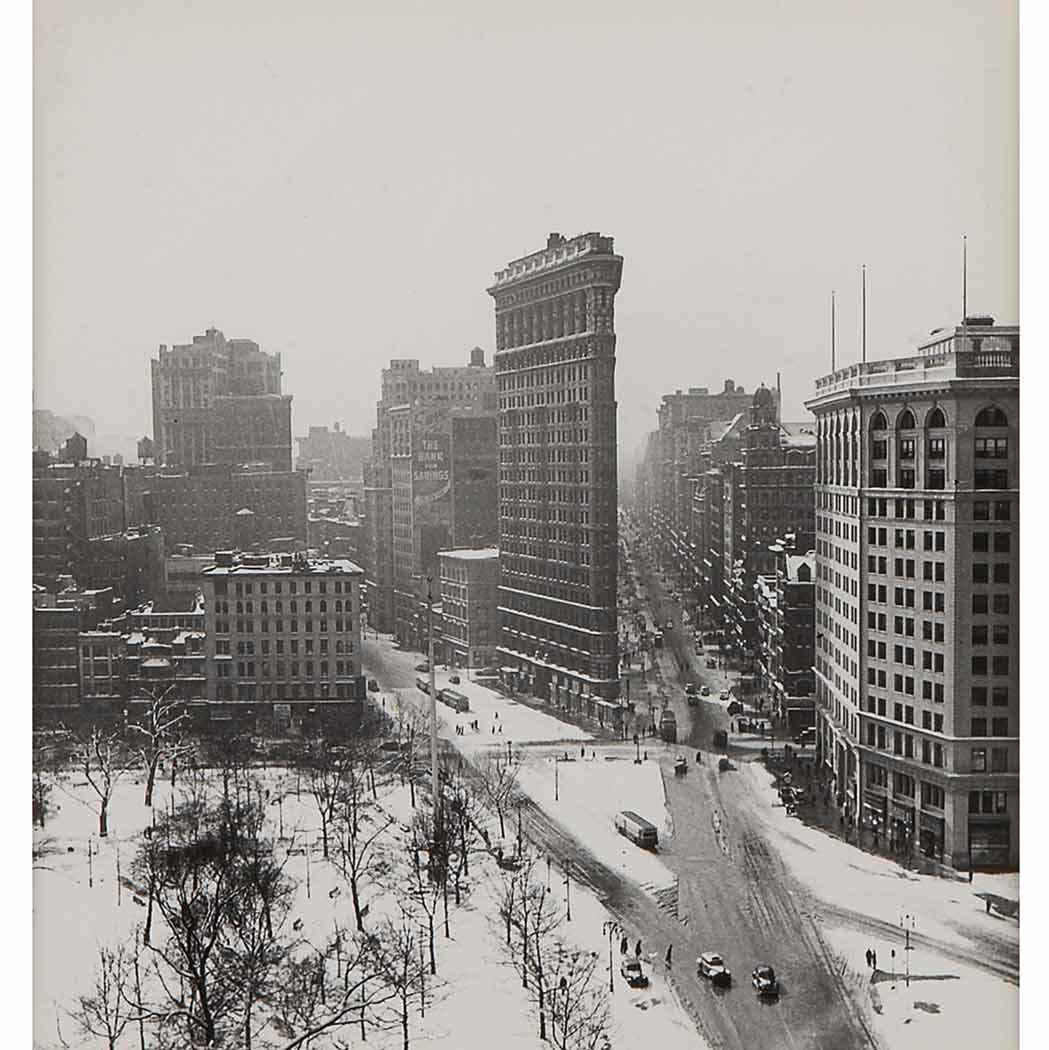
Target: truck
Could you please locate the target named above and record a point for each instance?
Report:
(423, 684)
(668, 726)
(637, 829)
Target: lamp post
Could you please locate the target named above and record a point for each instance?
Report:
(568, 895)
(907, 924)
(433, 693)
(610, 927)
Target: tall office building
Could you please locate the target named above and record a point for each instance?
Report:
(555, 367)
(219, 400)
(917, 619)
(431, 480)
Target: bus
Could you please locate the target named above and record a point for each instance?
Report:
(454, 700)
(637, 829)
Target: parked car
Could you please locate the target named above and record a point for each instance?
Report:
(373, 686)
(705, 691)
(690, 689)
(712, 663)
(633, 973)
(724, 764)
(735, 708)
(454, 679)
(712, 966)
(422, 667)
(764, 980)
(725, 695)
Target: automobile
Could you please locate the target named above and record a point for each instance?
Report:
(712, 966)
(725, 695)
(690, 690)
(705, 691)
(454, 679)
(422, 667)
(724, 764)
(712, 663)
(373, 686)
(735, 708)
(764, 980)
(633, 973)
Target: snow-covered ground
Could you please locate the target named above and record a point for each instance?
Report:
(943, 1003)
(480, 1001)
(590, 791)
(849, 878)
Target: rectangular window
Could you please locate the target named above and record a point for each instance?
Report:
(978, 696)
(1001, 572)
(937, 448)
(981, 511)
(1000, 634)
(1003, 510)
(981, 572)
(999, 760)
(1000, 695)
(981, 542)
(906, 448)
(979, 665)
(1001, 604)
(979, 604)
(979, 634)
(1002, 542)
(1000, 665)
(999, 727)
(991, 448)
(978, 760)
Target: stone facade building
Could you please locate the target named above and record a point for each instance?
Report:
(917, 618)
(469, 606)
(282, 628)
(431, 481)
(188, 381)
(555, 365)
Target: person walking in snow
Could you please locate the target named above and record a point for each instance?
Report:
(670, 956)
(637, 950)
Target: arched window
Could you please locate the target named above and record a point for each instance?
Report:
(878, 422)
(991, 417)
(905, 420)
(936, 419)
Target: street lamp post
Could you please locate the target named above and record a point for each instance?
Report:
(907, 923)
(610, 927)
(568, 896)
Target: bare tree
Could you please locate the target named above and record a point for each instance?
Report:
(360, 827)
(223, 898)
(535, 919)
(499, 786)
(580, 1012)
(342, 984)
(414, 733)
(463, 816)
(403, 971)
(106, 1013)
(426, 881)
(47, 768)
(325, 768)
(155, 734)
(102, 756)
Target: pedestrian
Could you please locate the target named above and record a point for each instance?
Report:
(868, 955)
(874, 960)
(670, 956)
(582, 752)
(493, 730)
(987, 901)
(500, 728)
(623, 945)
(637, 950)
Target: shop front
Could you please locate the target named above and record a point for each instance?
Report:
(931, 835)
(901, 827)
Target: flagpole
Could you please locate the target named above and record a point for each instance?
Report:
(864, 312)
(832, 333)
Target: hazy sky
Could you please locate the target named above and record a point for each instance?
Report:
(339, 182)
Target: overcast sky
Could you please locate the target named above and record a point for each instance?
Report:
(339, 183)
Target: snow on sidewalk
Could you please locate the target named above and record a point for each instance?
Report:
(848, 878)
(944, 1004)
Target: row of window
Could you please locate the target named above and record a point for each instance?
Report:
(247, 587)
(247, 648)
(278, 607)
(293, 691)
(246, 668)
(248, 626)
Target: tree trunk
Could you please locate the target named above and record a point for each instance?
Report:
(433, 954)
(151, 776)
(103, 819)
(447, 931)
(355, 897)
(502, 826)
(324, 834)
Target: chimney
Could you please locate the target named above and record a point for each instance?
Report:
(477, 357)
(730, 387)
(555, 240)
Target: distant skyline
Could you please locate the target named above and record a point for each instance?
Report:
(339, 184)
